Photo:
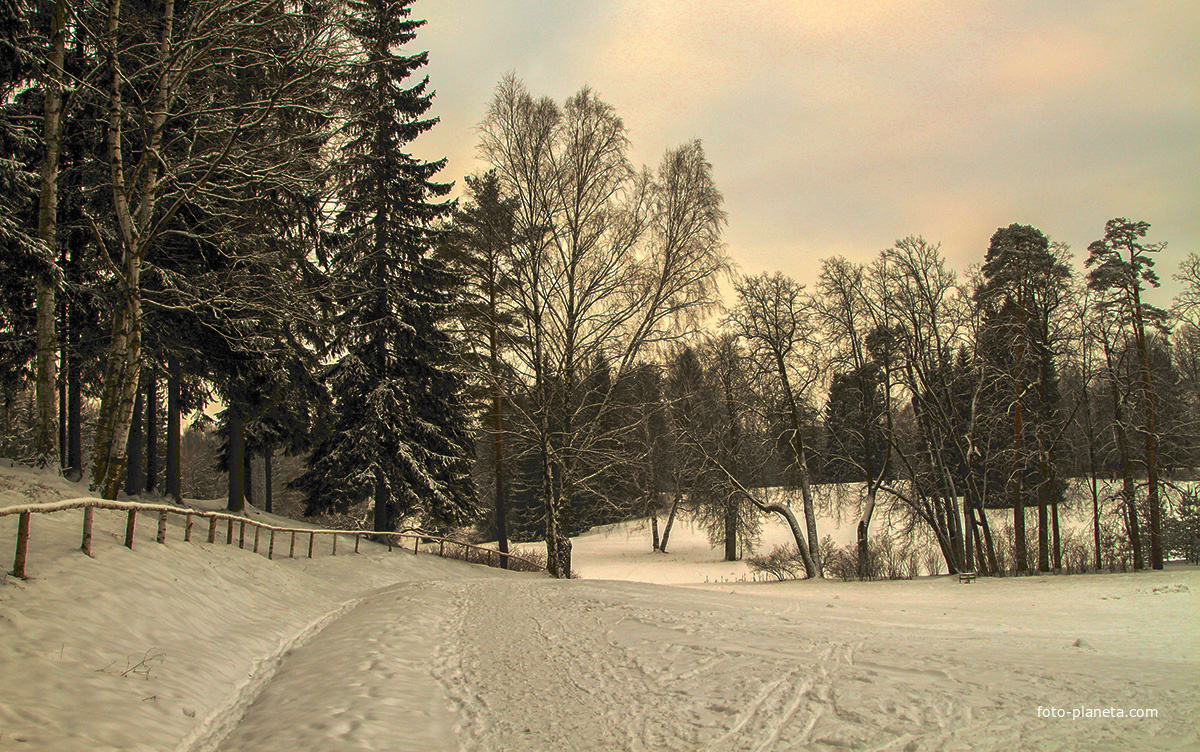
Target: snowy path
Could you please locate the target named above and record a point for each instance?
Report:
(530, 664)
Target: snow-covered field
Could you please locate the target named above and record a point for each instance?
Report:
(197, 646)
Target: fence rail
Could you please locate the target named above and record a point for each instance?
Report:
(89, 505)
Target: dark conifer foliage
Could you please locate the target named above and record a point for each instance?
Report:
(401, 435)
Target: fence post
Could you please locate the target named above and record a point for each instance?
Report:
(129, 526)
(257, 531)
(441, 547)
(212, 529)
(271, 550)
(22, 545)
(416, 543)
(187, 530)
(357, 539)
(390, 539)
(229, 533)
(242, 535)
(335, 544)
(310, 544)
(162, 527)
(292, 550)
(88, 514)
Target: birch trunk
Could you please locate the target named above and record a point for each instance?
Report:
(47, 339)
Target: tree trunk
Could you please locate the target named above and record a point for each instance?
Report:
(174, 488)
(501, 511)
(666, 535)
(47, 340)
(124, 360)
(151, 428)
(236, 458)
(1151, 429)
(652, 509)
(1017, 483)
(1128, 491)
(731, 520)
(383, 522)
(558, 540)
(135, 448)
(74, 403)
(810, 516)
(62, 399)
(1043, 493)
(268, 482)
(1057, 534)
(970, 534)
(863, 532)
(1087, 406)
(248, 474)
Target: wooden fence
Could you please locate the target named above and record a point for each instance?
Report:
(89, 506)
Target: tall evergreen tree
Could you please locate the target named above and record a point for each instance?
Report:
(479, 247)
(1120, 262)
(1025, 283)
(401, 435)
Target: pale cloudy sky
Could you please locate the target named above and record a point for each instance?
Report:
(838, 126)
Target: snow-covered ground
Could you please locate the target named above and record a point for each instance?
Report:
(198, 646)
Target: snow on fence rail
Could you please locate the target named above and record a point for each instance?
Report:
(89, 505)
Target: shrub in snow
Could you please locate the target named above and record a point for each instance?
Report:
(782, 563)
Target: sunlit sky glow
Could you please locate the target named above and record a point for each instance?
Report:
(838, 126)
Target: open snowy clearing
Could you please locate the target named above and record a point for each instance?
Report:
(198, 646)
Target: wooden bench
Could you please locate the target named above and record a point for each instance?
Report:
(967, 577)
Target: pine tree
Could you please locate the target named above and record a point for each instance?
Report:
(1120, 262)
(479, 246)
(1025, 282)
(401, 433)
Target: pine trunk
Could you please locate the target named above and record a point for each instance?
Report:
(382, 520)
(501, 505)
(1017, 483)
(173, 472)
(1043, 517)
(248, 472)
(151, 429)
(1151, 429)
(236, 459)
(268, 481)
(62, 400)
(74, 404)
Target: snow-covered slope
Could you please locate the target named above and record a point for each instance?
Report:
(161, 647)
(380, 651)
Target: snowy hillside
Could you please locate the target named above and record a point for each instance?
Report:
(198, 646)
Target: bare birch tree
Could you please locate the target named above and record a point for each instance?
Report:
(196, 90)
(610, 262)
(773, 315)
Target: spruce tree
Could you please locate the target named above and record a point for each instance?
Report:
(401, 433)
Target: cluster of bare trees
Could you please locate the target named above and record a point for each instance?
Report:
(602, 264)
(944, 397)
